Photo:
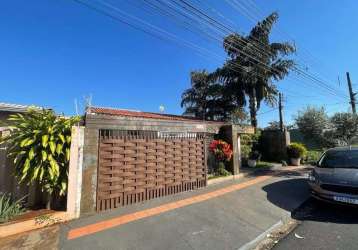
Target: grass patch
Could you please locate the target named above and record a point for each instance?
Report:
(264, 164)
(211, 177)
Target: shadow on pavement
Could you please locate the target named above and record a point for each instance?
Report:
(277, 172)
(320, 211)
(288, 194)
(293, 195)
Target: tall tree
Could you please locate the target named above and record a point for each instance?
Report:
(313, 122)
(253, 64)
(345, 128)
(205, 99)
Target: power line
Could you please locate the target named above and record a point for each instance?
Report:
(160, 30)
(305, 74)
(299, 71)
(276, 27)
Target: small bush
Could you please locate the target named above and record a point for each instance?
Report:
(312, 156)
(9, 208)
(296, 150)
(255, 155)
(221, 150)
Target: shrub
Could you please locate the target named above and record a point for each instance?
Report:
(255, 155)
(296, 150)
(312, 156)
(221, 150)
(39, 144)
(221, 170)
(249, 143)
(223, 153)
(9, 208)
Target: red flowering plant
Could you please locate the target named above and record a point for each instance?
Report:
(221, 149)
(222, 152)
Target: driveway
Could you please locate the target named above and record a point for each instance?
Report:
(324, 226)
(229, 215)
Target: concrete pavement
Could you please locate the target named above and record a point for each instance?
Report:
(229, 220)
(323, 226)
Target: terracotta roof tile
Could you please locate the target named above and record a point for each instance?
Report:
(140, 114)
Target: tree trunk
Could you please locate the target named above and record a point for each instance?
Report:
(48, 201)
(253, 111)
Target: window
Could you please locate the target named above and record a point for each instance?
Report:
(339, 159)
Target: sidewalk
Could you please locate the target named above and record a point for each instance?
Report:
(229, 215)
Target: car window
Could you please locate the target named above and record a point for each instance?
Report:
(339, 159)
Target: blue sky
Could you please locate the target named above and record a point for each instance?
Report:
(53, 52)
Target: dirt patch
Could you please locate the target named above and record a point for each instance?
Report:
(45, 238)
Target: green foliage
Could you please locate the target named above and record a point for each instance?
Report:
(205, 98)
(312, 122)
(39, 144)
(255, 155)
(273, 125)
(264, 164)
(345, 128)
(312, 156)
(340, 129)
(9, 208)
(244, 75)
(296, 150)
(243, 79)
(248, 143)
(221, 170)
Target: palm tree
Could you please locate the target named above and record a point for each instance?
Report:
(253, 64)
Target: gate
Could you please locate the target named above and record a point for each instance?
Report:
(136, 166)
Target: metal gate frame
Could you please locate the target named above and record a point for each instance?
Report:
(135, 166)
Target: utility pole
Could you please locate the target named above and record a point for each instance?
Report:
(280, 107)
(351, 94)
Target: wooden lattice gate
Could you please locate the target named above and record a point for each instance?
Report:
(135, 166)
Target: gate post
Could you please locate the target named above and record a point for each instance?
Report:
(75, 173)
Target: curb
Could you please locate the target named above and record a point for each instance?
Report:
(262, 236)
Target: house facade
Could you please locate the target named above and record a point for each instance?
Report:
(133, 156)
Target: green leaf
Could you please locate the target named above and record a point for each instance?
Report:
(44, 141)
(52, 146)
(36, 171)
(62, 138)
(42, 174)
(26, 166)
(67, 154)
(50, 171)
(68, 139)
(54, 166)
(63, 188)
(31, 153)
(26, 142)
(44, 155)
(59, 149)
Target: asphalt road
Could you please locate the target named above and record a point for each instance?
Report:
(228, 221)
(324, 226)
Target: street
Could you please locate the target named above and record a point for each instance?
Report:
(323, 226)
(230, 215)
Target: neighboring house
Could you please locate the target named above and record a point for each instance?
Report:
(8, 182)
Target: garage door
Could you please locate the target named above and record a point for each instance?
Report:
(135, 166)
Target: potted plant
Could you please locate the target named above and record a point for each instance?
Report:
(254, 156)
(295, 152)
(223, 153)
